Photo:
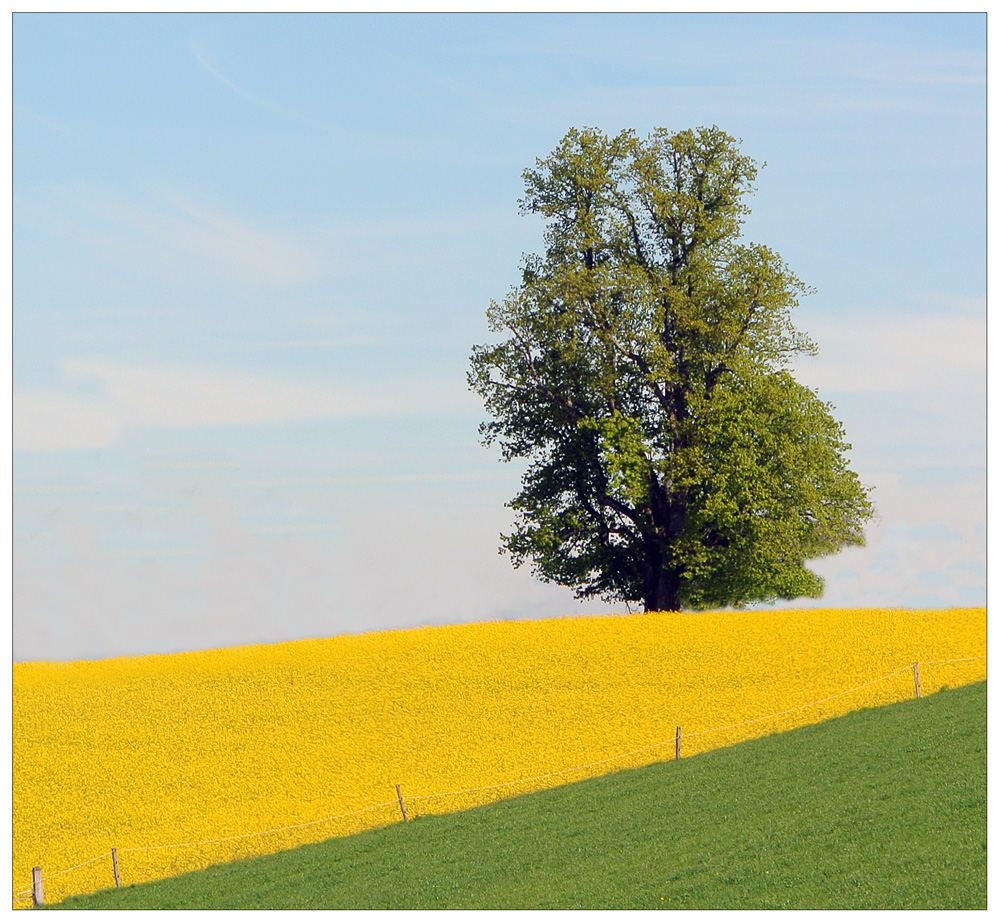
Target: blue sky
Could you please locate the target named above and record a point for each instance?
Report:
(252, 254)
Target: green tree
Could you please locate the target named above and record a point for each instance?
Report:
(673, 459)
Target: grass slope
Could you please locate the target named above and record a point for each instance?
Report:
(882, 808)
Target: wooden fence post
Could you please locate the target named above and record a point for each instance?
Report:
(114, 865)
(399, 795)
(916, 679)
(677, 745)
(37, 895)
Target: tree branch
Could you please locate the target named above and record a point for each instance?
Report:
(565, 403)
(751, 310)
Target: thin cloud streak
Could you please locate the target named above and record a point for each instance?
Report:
(317, 343)
(174, 236)
(185, 466)
(157, 553)
(296, 530)
(136, 508)
(225, 81)
(216, 74)
(740, 103)
(46, 489)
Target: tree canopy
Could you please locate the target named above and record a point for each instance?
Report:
(673, 459)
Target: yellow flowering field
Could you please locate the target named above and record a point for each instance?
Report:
(181, 761)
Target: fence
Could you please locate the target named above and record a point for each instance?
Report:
(35, 892)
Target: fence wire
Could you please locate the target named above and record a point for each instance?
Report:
(31, 889)
(243, 836)
(931, 663)
(24, 894)
(830, 698)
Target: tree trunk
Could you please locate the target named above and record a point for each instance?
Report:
(661, 590)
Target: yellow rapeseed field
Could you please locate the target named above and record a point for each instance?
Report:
(156, 756)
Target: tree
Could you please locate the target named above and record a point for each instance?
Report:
(673, 459)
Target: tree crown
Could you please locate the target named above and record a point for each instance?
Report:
(674, 459)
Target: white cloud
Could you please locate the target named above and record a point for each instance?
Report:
(57, 422)
(960, 507)
(208, 397)
(943, 353)
(201, 397)
(46, 489)
(927, 546)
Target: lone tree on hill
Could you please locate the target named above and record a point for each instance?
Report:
(673, 458)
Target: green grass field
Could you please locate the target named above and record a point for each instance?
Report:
(883, 808)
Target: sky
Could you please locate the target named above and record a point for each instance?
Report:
(252, 253)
